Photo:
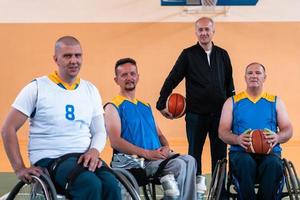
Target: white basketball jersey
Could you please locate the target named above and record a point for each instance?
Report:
(62, 119)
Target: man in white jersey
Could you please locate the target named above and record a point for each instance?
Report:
(67, 130)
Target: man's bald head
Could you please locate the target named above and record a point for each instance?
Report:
(66, 40)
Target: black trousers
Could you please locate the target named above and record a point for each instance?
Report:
(197, 128)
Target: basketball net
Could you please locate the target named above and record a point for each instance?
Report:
(207, 8)
(209, 2)
(209, 5)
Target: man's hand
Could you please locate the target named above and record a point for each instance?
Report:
(90, 159)
(165, 150)
(268, 131)
(272, 137)
(25, 173)
(154, 155)
(248, 131)
(166, 113)
(244, 140)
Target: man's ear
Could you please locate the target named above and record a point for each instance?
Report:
(115, 79)
(55, 58)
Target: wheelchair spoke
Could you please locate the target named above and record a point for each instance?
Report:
(217, 180)
(291, 180)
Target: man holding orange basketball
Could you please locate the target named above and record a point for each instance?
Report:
(247, 111)
(208, 79)
(132, 131)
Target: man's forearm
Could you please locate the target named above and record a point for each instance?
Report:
(228, 138)
(285, 134)
(12, 149)
(163, 141)
(123, 146)
(98, 133)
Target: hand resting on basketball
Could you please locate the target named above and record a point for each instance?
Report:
(272, 137)
(261, 141)
(166, 113)
(175, 106)
(244, 140)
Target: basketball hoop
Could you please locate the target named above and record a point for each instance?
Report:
(207, 8)
(209, 2)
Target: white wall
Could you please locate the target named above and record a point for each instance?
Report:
(93, 11)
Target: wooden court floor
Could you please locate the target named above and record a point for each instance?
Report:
(7, 179)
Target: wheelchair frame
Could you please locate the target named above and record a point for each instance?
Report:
(42, 187)
(219, 179)
(149, 189)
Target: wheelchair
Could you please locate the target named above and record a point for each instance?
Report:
(229, 187)
(42, 188)
(138, 178)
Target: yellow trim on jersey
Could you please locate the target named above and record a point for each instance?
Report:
(239, 96)
(55, 78)
(145, 103)
(118, 100)
(244, 95)
(269, 97)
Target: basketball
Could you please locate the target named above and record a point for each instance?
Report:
(176, 105)
(259, 144)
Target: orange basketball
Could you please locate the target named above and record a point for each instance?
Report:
(259, 144)
(176, 105)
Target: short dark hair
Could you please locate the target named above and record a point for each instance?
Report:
(256, 63)
(123, 61)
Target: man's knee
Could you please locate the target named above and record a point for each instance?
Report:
(86, 186)
(109, 181)
(242, 164)
(176, 166)
(273, 160)
(190, 160)
(272, 164)
(89, 181)
(242, 160)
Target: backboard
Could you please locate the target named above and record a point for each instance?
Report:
(198, 2)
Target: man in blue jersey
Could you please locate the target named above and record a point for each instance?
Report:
(249, 110)
(132, 131)
(67, 131)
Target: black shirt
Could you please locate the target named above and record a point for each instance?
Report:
(207, 86)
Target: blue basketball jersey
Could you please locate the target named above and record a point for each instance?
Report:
(256, 113)
(137, 123)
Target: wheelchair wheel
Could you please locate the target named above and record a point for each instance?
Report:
(129, 177)
(133, 194)
(217, 180)
(41, 188)
(292, 181)
(148, 190)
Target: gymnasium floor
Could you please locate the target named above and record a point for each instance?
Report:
(8, 179)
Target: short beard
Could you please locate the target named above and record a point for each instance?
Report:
(130, 89)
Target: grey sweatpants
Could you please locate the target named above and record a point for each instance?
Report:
(184, 169)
